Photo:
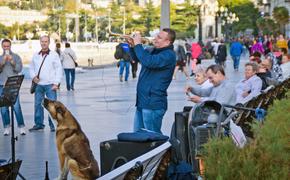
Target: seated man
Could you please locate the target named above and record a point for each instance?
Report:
(265, 74)
(250, 86)
(221, 91)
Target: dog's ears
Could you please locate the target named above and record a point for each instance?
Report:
(59, 110)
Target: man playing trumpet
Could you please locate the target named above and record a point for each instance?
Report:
(154, 79)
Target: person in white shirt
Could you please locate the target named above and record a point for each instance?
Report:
(69, 66)
(47, 79)
(250, 86)
(215, 45)
(285, 66)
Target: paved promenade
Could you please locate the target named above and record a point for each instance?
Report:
(103, 106)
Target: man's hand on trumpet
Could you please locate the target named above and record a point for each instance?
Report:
(137, 38)
(134, 39)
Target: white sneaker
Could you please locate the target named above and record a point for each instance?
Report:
(22, 131)
(6, 131)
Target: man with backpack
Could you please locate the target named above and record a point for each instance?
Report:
(122, 53)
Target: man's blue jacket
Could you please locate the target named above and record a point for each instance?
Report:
(155, 76)
(236, 49)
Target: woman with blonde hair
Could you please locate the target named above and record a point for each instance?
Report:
(200, 79)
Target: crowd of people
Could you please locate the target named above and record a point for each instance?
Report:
(268, 64)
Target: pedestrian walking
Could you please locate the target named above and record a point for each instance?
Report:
(122, 53)
(69, 65)
(45, 69)
(196, 52)
(10, 65)
(180, 59)
(221, 55)
(236, 50)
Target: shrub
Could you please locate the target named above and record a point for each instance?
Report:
(265, 157)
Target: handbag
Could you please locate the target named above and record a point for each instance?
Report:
(33, 87)
(76, 64)
(34, 84)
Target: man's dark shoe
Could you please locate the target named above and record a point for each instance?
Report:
(36, 128)
(52, 129)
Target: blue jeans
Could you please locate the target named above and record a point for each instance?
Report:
(40, 92)
(70, 78)
(236, 60)
(124, 64)
(17, 111)
(148, 119)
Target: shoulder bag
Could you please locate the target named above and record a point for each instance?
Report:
(34, 84)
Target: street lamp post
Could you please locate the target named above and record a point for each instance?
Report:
(230, 18)
(97, 29)
(218, 13)
(199, 4)
(109, 25)
(124, 19)
(199, 26)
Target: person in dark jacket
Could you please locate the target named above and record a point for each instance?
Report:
(222, 54)
(154, 79)
(122, 53)
(180, 59)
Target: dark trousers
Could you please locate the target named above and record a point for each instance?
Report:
(134, 68)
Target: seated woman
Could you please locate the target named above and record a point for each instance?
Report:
(201, 80)
(250, 86)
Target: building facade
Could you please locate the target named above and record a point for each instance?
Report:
(267, 7)
(8, 17)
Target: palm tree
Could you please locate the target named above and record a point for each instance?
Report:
(281, 15)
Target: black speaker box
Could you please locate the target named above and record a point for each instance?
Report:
(179, 136)
(6, 170)
(115, 153)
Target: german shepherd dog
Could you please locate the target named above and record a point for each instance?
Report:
(75, 155)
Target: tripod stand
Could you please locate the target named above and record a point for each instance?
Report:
(8, 98)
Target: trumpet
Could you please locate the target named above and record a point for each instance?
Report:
(144, 39)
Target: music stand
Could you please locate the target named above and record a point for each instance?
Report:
(8, 98)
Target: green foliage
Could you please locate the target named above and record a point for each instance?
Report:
(266, 157)
(150, 17)
(281, 15)
(267, 25)
(246, 11)
(183, 19)
(4, 31)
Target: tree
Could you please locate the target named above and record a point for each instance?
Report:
(281, 15)
(184, 19)
(247, 13)
(267, 26)
(150, 15)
